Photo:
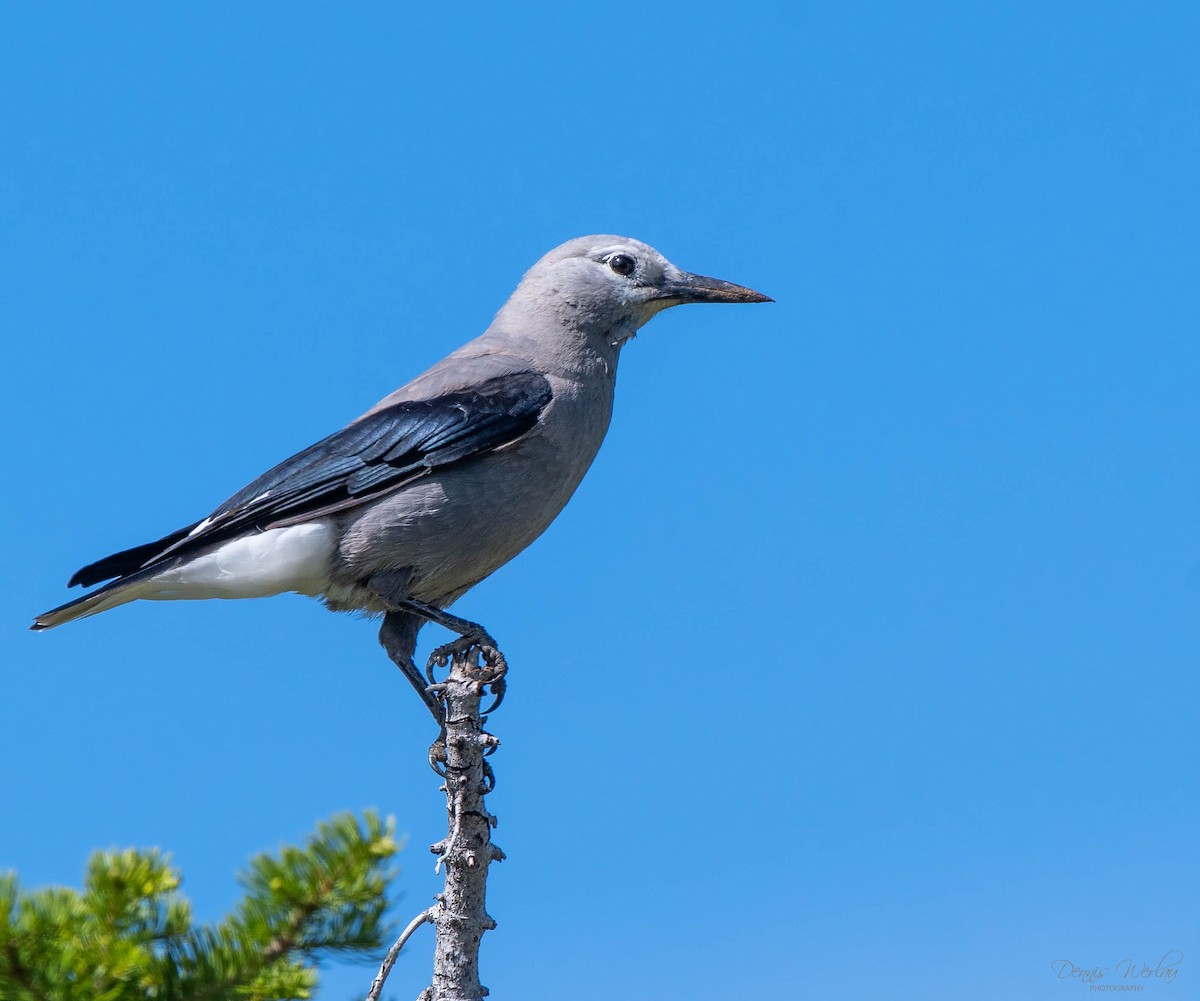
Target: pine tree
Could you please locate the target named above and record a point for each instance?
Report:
(128, 935)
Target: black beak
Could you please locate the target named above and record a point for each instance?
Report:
(699, 288)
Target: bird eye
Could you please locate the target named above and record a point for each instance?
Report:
(622, 264)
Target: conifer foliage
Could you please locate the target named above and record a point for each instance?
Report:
(128, 935)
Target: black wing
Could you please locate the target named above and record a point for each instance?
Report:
(373, 456)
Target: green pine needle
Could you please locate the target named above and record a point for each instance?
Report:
(128, 935)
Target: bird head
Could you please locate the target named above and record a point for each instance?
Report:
(615, 284)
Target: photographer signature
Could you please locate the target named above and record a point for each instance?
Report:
(1165, 971)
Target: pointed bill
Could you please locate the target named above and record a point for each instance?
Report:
(701, 288)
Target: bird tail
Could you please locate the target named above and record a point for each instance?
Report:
(101, 600)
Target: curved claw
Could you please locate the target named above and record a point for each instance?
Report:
(497, 667)
(498, 687)
(437, 755)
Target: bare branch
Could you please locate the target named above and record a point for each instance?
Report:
(390, 959)
(466, 852)
(458, 757)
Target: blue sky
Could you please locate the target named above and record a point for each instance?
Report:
(864, 661)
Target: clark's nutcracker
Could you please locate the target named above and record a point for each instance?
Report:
(440, 483)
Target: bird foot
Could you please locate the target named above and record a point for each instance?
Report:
(485, 664)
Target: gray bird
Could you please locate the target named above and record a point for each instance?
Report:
(442, 482)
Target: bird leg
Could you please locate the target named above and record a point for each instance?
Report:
(398, 638)
(467, 630)
(398, 635)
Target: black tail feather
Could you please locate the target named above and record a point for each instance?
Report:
(126, 561)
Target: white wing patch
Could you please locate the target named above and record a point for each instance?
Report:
(295, 558)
